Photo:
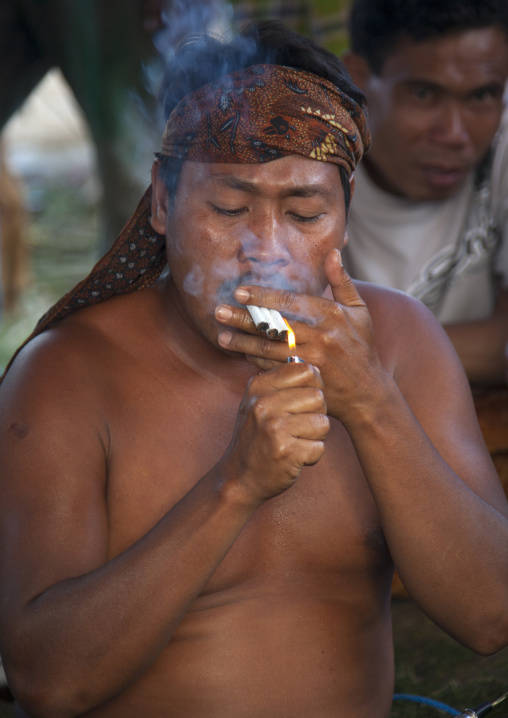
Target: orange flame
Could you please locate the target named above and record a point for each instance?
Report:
(291, 336)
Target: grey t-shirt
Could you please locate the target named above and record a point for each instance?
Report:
(451, 254)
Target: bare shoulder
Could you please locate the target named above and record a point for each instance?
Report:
(412, 343)
(415, 348)
(408, 335)
(70, 370)
(80, 344)
(395, 311)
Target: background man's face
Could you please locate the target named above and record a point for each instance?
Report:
(434, 110)
(269, 224)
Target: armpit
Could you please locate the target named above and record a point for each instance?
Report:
(375, 541)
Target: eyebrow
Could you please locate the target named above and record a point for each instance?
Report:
(306, 190)
(494, 85)
(410, 81)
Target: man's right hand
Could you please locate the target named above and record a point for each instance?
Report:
(281, 426)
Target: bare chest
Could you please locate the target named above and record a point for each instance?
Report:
(163, 441)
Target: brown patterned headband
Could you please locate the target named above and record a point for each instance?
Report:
(266, 112)
(254, 115)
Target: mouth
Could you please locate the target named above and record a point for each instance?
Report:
(226, 290)
(444, 176)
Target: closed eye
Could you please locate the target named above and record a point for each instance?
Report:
(302, 218)
(227, 212)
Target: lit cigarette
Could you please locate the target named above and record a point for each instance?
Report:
(280, 325)
(292, 359)
(268, 321)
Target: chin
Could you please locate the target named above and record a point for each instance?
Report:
(441, 194)
(425, 192)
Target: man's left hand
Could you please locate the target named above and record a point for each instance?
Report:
(335, 335)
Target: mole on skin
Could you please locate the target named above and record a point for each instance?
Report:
(18, 430)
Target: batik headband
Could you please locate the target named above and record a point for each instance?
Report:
(254, 115)
(266, 112)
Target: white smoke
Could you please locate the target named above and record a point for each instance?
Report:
(189, 17)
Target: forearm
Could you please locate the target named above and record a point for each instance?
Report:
(87, 638)
(449, 546)
(481, 348)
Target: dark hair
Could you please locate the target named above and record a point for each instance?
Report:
(204, 58)
(376, 26)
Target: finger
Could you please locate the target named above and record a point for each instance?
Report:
(284, 402)
(301, 451)
(287, 376)
(343, 288)
(254, 345)
(291, 305)
(312, 452)
(313, 427)
(243, 320)
(235, 317)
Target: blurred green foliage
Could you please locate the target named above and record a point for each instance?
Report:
(323, 20)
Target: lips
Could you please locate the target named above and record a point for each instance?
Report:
(444, 176)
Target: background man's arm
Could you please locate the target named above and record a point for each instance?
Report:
(481, 344)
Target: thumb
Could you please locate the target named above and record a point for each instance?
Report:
(343, 288)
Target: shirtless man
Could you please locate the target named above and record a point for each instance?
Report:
(190, 525)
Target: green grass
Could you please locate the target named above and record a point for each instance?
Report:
(429, 663)
(62, 249)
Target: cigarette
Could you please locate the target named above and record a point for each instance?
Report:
(281, 327)
(258, 317)
(268, 321)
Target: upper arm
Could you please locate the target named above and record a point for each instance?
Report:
(500, 200)
(53, 457)
(431, 377)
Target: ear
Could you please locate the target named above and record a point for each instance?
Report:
(159, 200)
(357, 67)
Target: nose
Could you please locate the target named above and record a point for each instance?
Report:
(264, 241)
(450, 127)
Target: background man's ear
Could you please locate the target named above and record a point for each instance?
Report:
(357, 67)
(159, 200)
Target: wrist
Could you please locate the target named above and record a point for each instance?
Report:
(233, 491)
(370, 409)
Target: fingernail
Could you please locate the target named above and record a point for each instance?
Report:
(241, 294)
(339, 253)
(225, 338)
(223, 312)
